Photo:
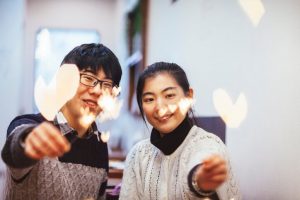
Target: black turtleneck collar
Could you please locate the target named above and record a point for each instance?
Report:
(171, 141)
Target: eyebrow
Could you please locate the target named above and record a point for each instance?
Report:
(88, 70)
(94, 75)
(164, 90)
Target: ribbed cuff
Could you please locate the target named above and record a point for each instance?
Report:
(197, 191)
(13, 152)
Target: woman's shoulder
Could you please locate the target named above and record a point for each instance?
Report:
(142, 146)
(200, 134)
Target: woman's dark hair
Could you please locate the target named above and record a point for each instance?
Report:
(153, 70)
(95, 57)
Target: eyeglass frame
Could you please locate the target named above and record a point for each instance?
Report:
(96, 81)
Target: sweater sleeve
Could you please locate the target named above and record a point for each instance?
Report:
(13, 152)
(203, 145)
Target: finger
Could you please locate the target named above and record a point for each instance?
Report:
(218, 179)
(46, 145)
(211, 176)
(37, 145)
(31, 153)
(58, 140)
(49, 143)
(220, 169)
(213, 162)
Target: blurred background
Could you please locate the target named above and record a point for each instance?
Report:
(241, 57)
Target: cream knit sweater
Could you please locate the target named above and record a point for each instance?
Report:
(149, 174)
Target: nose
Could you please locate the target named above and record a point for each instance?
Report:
(97, 89)
(160, 107)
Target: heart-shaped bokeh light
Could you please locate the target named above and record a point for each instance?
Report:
(254, 9)
(232, 114)
(50, 98)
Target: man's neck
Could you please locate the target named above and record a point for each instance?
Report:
(75, 123)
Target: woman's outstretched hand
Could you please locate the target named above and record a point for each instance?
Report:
(211, 173)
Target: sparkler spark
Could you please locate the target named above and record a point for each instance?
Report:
(162, 111)
(110, 105)
(172, 107)
(87, 117)
(185, 104)
(116, 91)
(105, 136)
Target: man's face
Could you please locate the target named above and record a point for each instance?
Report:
(86, 98)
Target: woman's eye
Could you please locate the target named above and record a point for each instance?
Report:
(170, 96)
(148, 100)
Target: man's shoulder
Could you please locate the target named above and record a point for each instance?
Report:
(35, 117)
(25, 119)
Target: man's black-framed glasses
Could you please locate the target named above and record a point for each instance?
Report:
(92, 81)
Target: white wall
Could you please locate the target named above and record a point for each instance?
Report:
(102, 15)
(218, 46)
(11, 48)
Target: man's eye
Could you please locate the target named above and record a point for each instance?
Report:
(89, 79)
(107, 85)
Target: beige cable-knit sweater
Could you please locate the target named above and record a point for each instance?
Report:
(55, 180)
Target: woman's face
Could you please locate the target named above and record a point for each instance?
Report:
(161, 99)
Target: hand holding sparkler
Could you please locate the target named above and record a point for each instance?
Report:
(211, 173)
(45, 140)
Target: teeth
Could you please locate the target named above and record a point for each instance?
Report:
(91, 103)
(165, 117)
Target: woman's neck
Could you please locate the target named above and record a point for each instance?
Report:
(171, 141)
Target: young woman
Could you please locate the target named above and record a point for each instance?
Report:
(180, 160)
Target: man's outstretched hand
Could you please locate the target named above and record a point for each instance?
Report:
(45, 140)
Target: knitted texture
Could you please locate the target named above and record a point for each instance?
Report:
(51, 179)
(149, 174)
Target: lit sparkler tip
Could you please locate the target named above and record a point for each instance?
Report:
(110, 106)
(116, 91)
(172, 107)
(185, 104)
(87, 117)
(105, 136)
(162, 112)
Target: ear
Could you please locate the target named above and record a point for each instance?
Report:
(190, 93)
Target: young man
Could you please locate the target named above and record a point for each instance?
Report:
(78, 163)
